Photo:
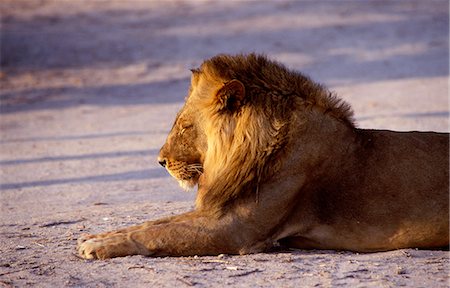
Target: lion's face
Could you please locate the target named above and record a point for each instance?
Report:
(207, 120)
(183, 153)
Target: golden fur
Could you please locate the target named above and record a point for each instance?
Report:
(277, 158)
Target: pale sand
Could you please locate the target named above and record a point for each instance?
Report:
(89, 90)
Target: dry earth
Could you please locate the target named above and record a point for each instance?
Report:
(89, 90)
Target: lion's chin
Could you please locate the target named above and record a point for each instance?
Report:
(187, 185)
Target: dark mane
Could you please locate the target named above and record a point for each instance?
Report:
(262, 76)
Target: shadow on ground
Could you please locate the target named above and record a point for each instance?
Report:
(105, 37)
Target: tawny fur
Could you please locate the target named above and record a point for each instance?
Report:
(277, 158)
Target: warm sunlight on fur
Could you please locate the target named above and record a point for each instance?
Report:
(278, 159)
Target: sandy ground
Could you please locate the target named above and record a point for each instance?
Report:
(89, 90)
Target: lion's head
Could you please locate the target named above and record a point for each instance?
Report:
(184, 151)
(235, 122)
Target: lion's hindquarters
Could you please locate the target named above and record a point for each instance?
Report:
(405, 192)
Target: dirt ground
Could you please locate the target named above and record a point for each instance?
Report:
(89, 90)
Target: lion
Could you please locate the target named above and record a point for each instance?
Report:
(278, 160)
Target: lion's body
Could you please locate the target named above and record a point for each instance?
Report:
(277, 159)
(375, 200)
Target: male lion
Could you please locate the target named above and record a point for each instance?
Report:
(277, 159)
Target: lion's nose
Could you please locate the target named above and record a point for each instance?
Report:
(162, 162)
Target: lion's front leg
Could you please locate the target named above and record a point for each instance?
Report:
(175, 218)
(185, 235)
(109, 244)
(114, 245)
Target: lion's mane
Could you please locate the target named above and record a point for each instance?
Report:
(245, 146)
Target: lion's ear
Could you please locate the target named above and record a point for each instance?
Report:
(231, 95)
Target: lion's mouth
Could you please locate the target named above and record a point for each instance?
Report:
(186, 174)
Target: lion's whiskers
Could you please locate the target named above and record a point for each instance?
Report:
(198, 168)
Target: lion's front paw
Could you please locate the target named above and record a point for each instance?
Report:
(103, 247)
(92, 248)
(87, 244)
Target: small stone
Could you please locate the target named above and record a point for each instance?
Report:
(401, 271)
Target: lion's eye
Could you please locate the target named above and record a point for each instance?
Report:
(184, 128)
